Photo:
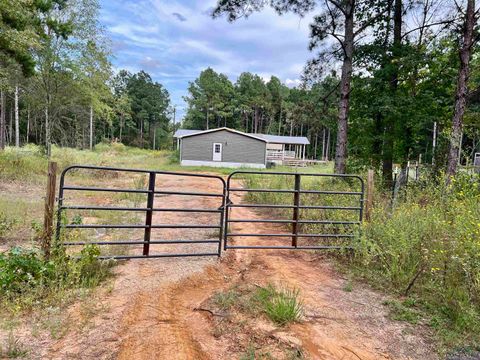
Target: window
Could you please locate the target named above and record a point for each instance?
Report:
(217, 148)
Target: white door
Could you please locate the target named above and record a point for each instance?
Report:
(217, 152)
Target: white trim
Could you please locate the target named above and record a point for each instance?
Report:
(226, 129)
(221, 164)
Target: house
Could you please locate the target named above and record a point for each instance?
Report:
(226, 147)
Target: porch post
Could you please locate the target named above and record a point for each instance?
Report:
(283, 153)
(303, 154)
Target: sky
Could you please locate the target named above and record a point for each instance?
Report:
(174, 40)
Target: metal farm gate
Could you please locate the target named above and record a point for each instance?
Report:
(338, 228)
(331, 221)
(153, 190)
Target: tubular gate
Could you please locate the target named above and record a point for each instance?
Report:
(149, 210)
(337, 228)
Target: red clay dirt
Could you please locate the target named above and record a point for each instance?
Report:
(149, 313)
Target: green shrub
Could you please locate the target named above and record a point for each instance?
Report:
(174, 157)
(25, 276)
(23, 269)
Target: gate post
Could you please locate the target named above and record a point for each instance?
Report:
(149, 212)
(296, 203)
(370, 190)
(49, 209)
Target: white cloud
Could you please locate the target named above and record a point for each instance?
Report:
(175, 52)
(292, 82)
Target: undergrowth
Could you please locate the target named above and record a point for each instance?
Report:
(427, 250)
(28, 280)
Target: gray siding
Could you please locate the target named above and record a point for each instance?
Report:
(236, 148)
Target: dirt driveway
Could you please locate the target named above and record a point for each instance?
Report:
(150, 311)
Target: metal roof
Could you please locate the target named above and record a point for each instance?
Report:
(274, 139)
(253, 136)
(182, 132)
(277, 139)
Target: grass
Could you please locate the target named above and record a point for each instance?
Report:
(403, 311)
(282, 306)
(226, 300)
(14, 348)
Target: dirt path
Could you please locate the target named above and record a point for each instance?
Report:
(149, 312)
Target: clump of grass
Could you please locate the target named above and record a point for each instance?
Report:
(14, 348)
(6, 224)
(282, 306)
(403, 311)
(226, 300)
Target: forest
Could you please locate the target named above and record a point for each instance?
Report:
(57, 84)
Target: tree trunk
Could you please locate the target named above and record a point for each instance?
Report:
(121, 126)
(345, 83)
(465, 54)
(280, 119)
(91, 127)
(27, 138)
(388, 146)
(154, 131)
(323, 144)
(10, 126)
(2, 120)
(207, 117)
(17, 120)
(47, 133)
(327, 151)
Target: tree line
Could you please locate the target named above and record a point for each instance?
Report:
(57, 84)
(406, 67)
(254, 105)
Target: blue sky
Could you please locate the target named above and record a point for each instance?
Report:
(174, 40)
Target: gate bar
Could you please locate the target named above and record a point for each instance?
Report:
(296, 235)
(146, 226)
(116, 208)
(285, 221)
(300, 206)
(300, 191)
(141, 242)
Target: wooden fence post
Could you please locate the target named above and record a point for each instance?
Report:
(370, 191)
(49, 208)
